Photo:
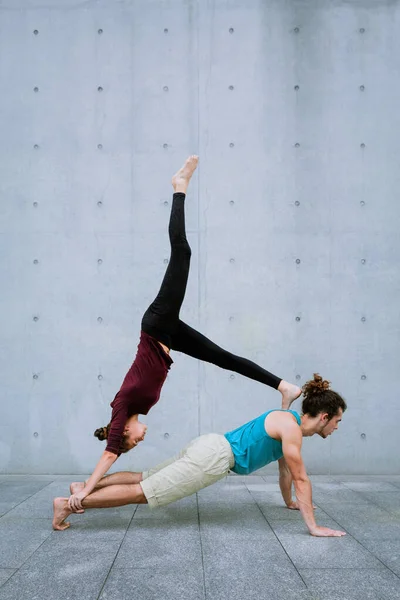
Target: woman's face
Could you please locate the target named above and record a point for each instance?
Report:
(134, 433)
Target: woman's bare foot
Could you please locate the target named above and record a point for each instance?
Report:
(180, 180)
(61, 512)
(289, 393)
(76, 486)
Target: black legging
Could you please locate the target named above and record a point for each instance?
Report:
(161, 319)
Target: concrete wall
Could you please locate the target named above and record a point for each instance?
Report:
(293, 107)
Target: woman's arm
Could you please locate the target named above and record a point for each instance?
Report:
(115, 436)
(106, 461)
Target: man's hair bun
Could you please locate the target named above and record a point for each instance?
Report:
(319, 398)
(316, 385)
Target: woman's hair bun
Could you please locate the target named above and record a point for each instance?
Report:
(101, 433)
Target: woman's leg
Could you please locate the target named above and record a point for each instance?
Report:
(161, 318)
(191, 342)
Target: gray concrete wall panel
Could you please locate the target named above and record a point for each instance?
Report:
(292, 216)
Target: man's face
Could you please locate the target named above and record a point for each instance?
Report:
(329, 426)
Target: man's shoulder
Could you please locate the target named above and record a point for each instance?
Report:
(286, 424)
(280, 424)
(285, 416)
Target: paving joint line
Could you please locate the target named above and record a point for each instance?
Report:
(25, 499)
(116, 554)
(362, 545)
(201, 547)
(36, 549)
(279, 541)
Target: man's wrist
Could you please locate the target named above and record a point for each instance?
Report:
(312, 529)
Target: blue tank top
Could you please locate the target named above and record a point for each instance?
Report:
(252, 447)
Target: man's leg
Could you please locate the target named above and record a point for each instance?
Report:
(191, 342)
(204, 461)
(121, 478)
(161, 318)
(107, 497)
(126, 477)
(112, 482)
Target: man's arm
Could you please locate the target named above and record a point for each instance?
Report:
(291, 446)
(285, 482)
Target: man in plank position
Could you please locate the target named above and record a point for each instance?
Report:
(274, 435)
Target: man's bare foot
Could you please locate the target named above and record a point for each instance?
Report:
(289, 393)
(76, 486)
(180, 180)
(61, 512)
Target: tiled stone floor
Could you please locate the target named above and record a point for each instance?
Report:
(232, 541)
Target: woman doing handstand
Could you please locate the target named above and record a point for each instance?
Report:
(161, 331)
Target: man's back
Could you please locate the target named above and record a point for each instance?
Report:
(253, 445)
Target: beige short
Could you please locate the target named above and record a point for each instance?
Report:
(204, 461)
